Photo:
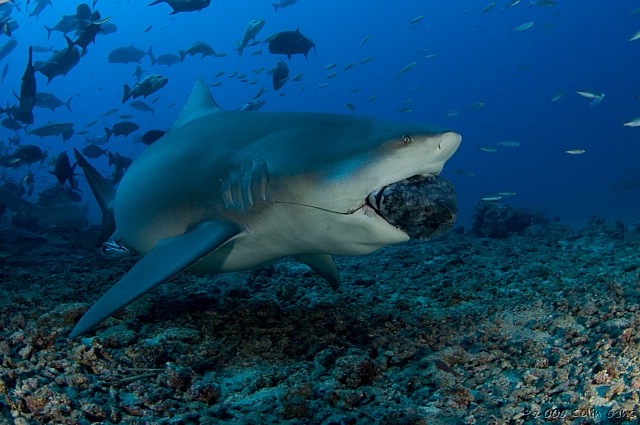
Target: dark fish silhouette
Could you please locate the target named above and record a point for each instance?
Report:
(184, 5)
(123, 128)
(65, 25)
(61, 62)
(8, 26)
(5, 71)
(141, 106)
(168, 59)
(64, 171)
(51, 101)
(24, 112)
(197, 48)
(7, 48)
(87, 35)
(290, 43)
(280, 75)
(148, 85)
(250, 32)
(283, 3)
(40, 6)
(37, 217)
(55, 129)
(151, 136)
(25, 154)
(11, 124)
(128, 54)
(93, 151)
(120, 164)
(252, 105)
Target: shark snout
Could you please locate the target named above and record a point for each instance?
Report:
(448, 144)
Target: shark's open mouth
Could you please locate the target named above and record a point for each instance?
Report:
(421, 206)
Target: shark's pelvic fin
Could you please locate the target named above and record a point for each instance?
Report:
(200, 103)
(324, 265)
(168, 258)
(104, 193)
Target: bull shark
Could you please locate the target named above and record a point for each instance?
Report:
(225, 191)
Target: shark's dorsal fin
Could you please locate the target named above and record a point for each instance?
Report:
(200, 103)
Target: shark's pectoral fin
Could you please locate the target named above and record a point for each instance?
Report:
(169, 257)
(324, 265)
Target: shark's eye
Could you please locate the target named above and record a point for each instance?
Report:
(406, 139)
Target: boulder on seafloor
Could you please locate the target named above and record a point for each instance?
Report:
(494, 220)
(598, 226)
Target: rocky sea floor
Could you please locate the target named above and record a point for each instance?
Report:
(539, 326)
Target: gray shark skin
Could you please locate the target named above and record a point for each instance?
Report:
(225, 191)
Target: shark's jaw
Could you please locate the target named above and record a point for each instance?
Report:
(399, 192)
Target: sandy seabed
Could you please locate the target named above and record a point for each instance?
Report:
(538, 327)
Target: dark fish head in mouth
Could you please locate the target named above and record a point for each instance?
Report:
(421, 206)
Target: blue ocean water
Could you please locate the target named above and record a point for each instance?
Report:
(474, 73)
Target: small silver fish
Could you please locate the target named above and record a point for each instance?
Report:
(633, 123)
(406, 69)
(575, 151)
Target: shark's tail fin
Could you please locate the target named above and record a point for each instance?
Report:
(104, 194)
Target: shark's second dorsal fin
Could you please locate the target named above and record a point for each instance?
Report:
(200, 103)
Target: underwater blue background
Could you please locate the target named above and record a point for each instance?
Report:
(572, 46)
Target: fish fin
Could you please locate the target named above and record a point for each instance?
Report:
(151, 56)
(157, 2)
(169, 257)
(70, 44)
(324, 265)
(104, 193)
(108, 132)
(276, 6)
(200, 103)
(68, 103)
(127, 93)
